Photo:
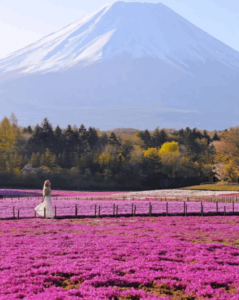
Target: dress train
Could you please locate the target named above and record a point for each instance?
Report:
(48, 205)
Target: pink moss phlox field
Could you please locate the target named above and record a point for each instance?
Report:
(55, 193)
(126, 258)
(229, 195)
(87, 207)
(108, 195)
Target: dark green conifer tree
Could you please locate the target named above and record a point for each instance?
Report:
(112, 140)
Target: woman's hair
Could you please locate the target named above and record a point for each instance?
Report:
(47, 183)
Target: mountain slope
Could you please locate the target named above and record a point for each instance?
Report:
(128, 64)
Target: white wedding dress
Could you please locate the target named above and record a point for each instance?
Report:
(48, 205)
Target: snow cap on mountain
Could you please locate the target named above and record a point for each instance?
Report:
(136, 28)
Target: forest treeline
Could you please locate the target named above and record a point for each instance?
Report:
(87, 158)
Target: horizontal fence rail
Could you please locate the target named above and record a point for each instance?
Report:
(74, 208)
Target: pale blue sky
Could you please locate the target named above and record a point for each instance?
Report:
(26, 21)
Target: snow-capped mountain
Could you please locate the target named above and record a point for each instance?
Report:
(127, 64)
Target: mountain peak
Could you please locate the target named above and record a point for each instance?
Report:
(136, 28)
(137, 64)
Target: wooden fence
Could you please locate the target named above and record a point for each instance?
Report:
(115, 212)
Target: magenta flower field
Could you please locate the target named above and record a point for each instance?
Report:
(55, 193)
(22, 203)
(120, 258)
(106, 208)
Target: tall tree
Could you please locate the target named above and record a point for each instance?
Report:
(146, 137)
(34, 142)
(17, 163)
(206, 136)
(47, 135)
(59, 140)
(228, 147)
(159, 137)
(92, 137)
(72, 143)
(227, 153)
(7, 137)
(48, 159)
(188, 139)
(152, 159)
(82, 129)
(13, 119)
(33, 160)
(58, 132)
(112, 140)
(215, 137)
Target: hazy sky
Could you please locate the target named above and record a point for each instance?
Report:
(25, 21)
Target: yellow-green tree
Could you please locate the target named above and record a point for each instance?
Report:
(120, 159)
(136, 155)
(152, 159)
(169, 153)
(7, 137)
(170, 148)
(227, 153)
(33, 160)
(136, 159)
(137, 141)
(48, 159)
(152, 154)
(15, 163)
(104, 159)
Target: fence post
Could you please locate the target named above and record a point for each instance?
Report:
(224, 210)
(113, 209)
(55, 211)
(116, 210)
(166, 208)
(95, 210)
(44, 212)
(201, 209)
(149, 208)
(186, 208)
(134, 210)
(14, 212)
(76, 211)
(99, 211)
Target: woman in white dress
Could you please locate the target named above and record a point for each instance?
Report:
(47, 201)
